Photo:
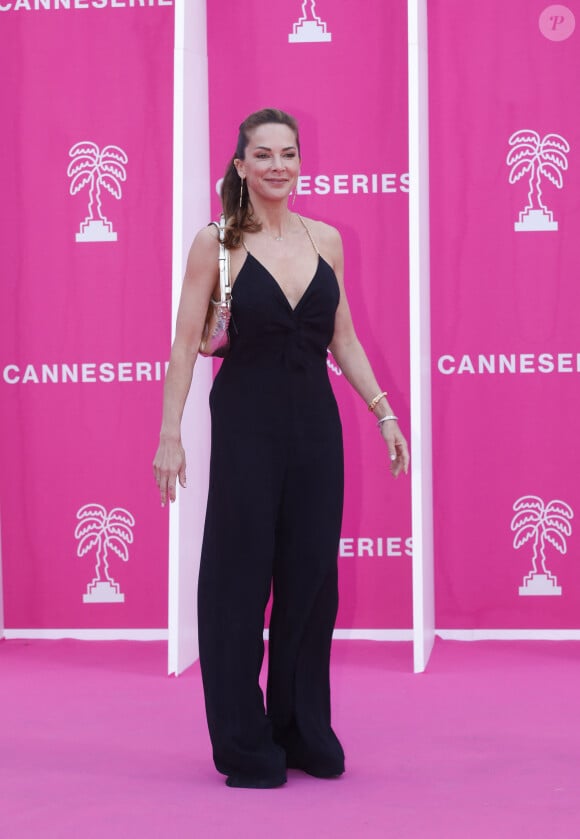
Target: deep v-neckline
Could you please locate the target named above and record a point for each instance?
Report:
(292, 308)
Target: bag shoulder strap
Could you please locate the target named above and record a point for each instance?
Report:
(223, 261)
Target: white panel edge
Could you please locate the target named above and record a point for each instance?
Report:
(88, 634)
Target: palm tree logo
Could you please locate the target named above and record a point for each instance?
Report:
(106, 532)
(544, 523)
(309, 29)
(538, 158)
(98, 170)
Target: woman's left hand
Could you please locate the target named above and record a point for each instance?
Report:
(397, 446)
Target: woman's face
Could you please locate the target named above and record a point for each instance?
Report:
(272, 164)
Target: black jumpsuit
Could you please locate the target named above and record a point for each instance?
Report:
(273, 520)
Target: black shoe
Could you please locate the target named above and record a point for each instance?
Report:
(246, 782)
(318, 771)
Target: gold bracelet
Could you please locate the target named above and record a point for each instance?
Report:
(374, 402)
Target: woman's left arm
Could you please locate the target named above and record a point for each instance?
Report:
(352, 359)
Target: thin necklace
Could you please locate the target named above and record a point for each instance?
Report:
(277, 238)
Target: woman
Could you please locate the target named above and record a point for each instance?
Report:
(276, 477)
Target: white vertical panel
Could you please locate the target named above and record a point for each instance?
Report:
(191, 209)
(421, 450)
(1, 586)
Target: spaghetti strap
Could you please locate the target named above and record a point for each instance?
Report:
(305, 226)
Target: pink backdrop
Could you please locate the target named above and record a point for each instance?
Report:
(88, 95)
(349, 93)
(507, 300)
(87, 104)
(85, 324)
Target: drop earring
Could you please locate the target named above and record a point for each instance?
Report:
(241, 191)
(295, 190)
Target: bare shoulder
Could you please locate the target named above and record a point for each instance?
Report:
(207, 237)
(202, 260)
(325, 233)
(205, 243)
(327, 238)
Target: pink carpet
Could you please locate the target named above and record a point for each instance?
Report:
(97, 743)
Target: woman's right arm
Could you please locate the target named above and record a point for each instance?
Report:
(201, 276)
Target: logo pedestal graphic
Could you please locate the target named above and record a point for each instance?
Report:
(533, 220)
(540, 584)
(96, 230)
(103, 591)
(309, 30)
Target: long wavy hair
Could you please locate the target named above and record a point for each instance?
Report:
(241, 219)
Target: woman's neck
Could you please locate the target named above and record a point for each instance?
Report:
(275, 218)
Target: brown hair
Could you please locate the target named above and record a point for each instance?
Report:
(241, 219)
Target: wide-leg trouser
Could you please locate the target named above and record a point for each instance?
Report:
(273, 520)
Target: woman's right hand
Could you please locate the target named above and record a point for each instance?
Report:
(169, 467)
(201, 276)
